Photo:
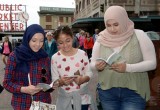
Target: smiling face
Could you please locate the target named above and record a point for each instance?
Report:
(65, 43)
(113, 27)
(36, 42)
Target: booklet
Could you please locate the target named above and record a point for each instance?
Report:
(46, 87)
(111, 59)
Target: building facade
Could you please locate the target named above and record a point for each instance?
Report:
(89, 14)
(52, 17)
(96, 8)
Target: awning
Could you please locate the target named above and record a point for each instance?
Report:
(88, 21)
(146, 23)
(85, 22)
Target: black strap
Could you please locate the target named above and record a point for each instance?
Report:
(1, 88)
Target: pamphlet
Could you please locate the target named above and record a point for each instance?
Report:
(46, 87)
(111, 59)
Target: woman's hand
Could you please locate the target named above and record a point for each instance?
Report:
(81, 79)
(65, 81)
(100, 65)
(119, 67)
(30, 89)
(56, 84)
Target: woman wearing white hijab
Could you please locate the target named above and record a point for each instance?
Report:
(123, 85)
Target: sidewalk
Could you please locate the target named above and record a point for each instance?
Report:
(5, 96)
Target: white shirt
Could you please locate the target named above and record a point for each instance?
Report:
(67, 65)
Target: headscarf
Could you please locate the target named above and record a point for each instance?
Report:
(24, 53)
(118, 14)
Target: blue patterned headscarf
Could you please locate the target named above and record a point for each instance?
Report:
(24, 53)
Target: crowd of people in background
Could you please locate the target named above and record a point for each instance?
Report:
(86, 40)
(69, 61)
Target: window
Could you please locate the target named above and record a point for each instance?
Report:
(72, 19)
(76, 8)
(48, 26)
(83, 4)
(88, 2)
(66, 19)
(48, 18)
(60, 19)
(80, 6)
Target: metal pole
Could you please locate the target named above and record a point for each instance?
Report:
(11, 27)
(25, 11)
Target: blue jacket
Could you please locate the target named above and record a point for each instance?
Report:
(52, 50)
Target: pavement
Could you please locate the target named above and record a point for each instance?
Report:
(5, 96)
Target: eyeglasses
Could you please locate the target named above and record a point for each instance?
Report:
(43, 78)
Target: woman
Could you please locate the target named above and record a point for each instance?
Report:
(50, 45)
(124, 85)
(81, 39)
(70, 68)
(28, 58)
(88, 44)
(6, 49)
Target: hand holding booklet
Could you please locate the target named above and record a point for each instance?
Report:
(111, 59)
(45, 87)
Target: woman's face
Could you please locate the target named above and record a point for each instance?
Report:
(6, 39)
(49, 37)
(113, 27)
(65, 42)
(36, 42)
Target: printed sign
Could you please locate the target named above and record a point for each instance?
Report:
(13, 17)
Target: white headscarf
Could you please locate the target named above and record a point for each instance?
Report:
(118, 14)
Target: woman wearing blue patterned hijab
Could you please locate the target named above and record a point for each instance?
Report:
(24, 53)
(27, 66)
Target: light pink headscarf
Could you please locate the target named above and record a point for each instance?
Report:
(126, 25)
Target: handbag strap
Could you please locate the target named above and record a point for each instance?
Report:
(29, 79)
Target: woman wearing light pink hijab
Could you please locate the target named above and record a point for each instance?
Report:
(123, 84)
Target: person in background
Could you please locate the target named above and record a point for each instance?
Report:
(88, 44)
(50, 45)
(75, 43)
(96, 34)
(28, 58)
(70, 68)
(78, 33)
(81, 39)
(6, 49)
(123, 85)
